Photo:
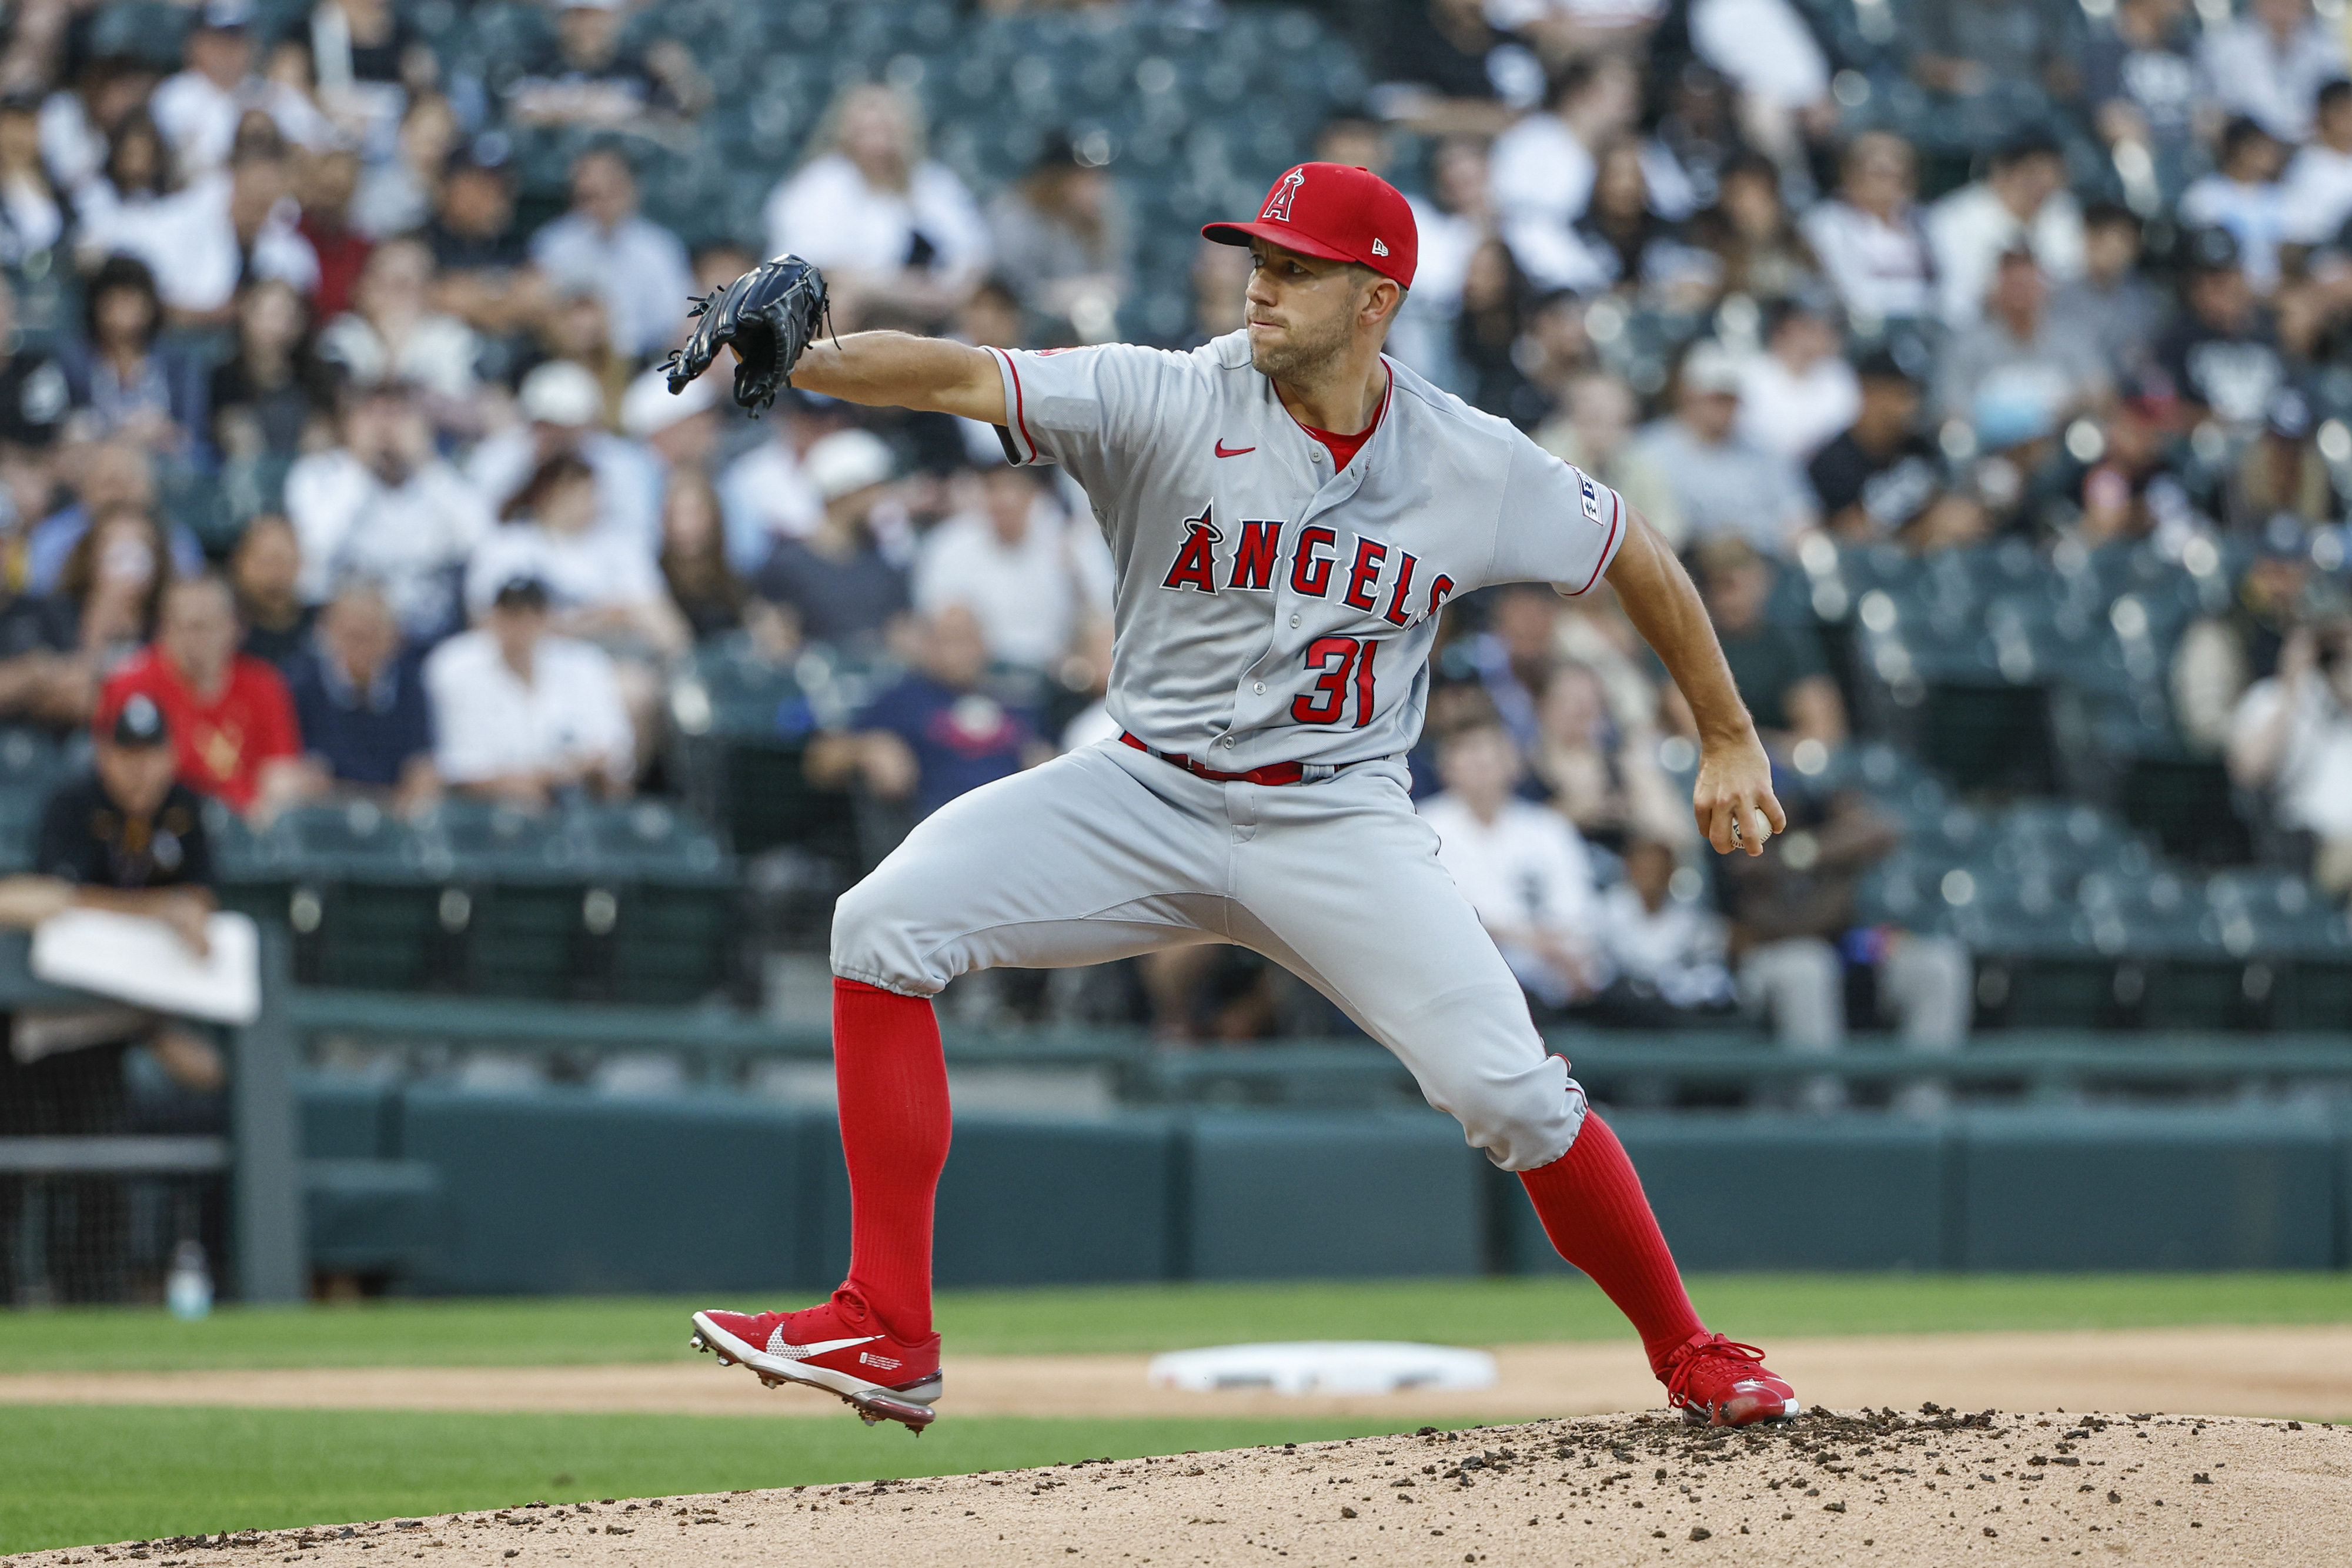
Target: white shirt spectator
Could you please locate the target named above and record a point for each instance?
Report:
(1763, 49)
(73, 148)
(2312, 782)
(591, 570)
(1678, 951)
(1730, 486)
(1423, 336)
(1030, 597)
(189, 244)
(639, 267)
(628, 480)
(764, 496)
(2315, 195)
(830, 216)
(2256, 214)
(1972, 228)
(1540, 177)
(198, 119)
(1528, 870)
(438, 353)
(2248, 74)
(488, 723)
(1878, 269)
(1795, 416)
(410, 538)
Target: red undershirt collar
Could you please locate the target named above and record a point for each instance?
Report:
(1343, 448)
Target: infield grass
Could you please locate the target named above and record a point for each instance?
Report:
(1144, 1318)
(76, 1475)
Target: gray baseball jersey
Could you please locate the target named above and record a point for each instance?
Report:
(1269, 610)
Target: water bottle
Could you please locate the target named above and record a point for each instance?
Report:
(189, 1287)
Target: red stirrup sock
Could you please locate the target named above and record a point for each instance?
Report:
(892, 1084)
(1591, 1207)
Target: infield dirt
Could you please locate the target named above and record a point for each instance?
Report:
(1920, 1488)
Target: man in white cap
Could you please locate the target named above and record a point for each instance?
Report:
(840, 580)
(1726, 484)
(198, 110)
(675, 431)
(563, 410)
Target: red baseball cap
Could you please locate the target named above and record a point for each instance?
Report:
(1337, 213)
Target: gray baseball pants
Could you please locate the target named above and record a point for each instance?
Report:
(1108, 852)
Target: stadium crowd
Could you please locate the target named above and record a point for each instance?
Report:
(476, 539)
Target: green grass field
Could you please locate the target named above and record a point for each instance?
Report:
(72, 1475)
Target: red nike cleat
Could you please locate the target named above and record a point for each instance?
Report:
(1714, 1382)
(840, 1347)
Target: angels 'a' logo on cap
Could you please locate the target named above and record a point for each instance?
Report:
(1277, 205)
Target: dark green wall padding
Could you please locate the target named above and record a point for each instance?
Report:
(562, 1190)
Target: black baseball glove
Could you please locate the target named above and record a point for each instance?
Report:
(768, 315)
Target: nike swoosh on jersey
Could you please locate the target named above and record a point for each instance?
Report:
(802, 1352)
(1235, 452)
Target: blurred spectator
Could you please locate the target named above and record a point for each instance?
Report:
(1758, 248)
(323, 186)
(384, 504)
(574, 325)
(934, 733)
(1791, 912)
(888, 224)
(588, 79)
(1766, 47)
(1870, 236)
(232, 723)
(32, 217)
(693, 567)
(33, 400)
(1542, 169)
(1724, 483)
(1969, 46)
(1061, 237)
(366, 54)
(2222, 352)
(361, 700)
(2317, 190)
(2111, 304)
(222, 228)
(136, 173)
(1668, 949)
(1630, 248)
(836, 581)
(1451, 221)
(483, 275)
(397, 194)
(1594, 431)
(1444, 70)
(1882, 478)
(1602, 777)
(2141, 84)
(107, 603)
(2132, 491)
(766, 494)
(1031, 574)
(1531, 382)
(2282, 471)
(2018, 373)
(1799, 392)
(1220, 289)
(676, 429)
(198, 109)
(1523, 868)
(2270, 63)
(1781, 672)
(523, 716)
(1514, 657)
(105, 476)
(2291, 742)
(81, 118)
(2023, 202)
(124, 384)
(264, 571)
(562, 409)
(603, 241)
(273, 394)
(2243, 194)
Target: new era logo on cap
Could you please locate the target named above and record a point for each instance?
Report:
(1379, 248)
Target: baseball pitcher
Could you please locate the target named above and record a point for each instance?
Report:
(1288, 509)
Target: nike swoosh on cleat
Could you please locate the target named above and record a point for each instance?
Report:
(1236, 452)
(802, 1352)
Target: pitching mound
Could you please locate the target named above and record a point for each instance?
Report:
(1932, 1487)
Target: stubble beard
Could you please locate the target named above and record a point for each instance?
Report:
(1301, 357)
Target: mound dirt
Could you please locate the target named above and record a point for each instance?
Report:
(1928, 1487)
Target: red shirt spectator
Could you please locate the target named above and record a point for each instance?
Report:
(230, 715)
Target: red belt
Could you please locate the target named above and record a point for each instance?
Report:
(1273, 773)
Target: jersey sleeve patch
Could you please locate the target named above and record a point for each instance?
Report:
(1592, 507)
